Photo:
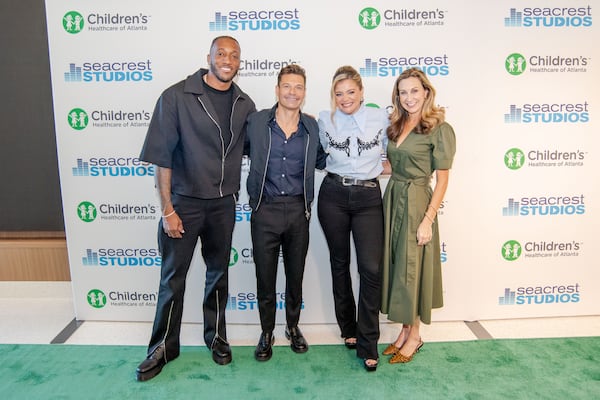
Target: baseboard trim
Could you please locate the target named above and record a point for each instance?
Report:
(31, 258)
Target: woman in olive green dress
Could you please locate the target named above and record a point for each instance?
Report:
(420, 145)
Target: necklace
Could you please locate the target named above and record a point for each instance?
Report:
(288, 125)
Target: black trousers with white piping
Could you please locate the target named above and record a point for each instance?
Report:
(212, 222)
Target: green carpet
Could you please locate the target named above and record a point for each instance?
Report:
(486, 369)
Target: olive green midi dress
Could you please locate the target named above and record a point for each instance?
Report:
(412, 274)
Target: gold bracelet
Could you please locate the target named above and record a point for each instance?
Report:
(430, 206)
(428, 217)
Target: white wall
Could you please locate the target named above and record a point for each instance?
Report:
(464, 47)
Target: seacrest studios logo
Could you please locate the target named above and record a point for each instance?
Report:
(370, 18)
(548, 113)
(545, 206)
(121, 167)
(550, 17)
(256, 20)
(516, 64)
(79, 119)
(119, 212)
(121, 257)
(539, 295)
(432, 65)
(512, 249)
(247, 301)
(73, 22)
(243, 212)
(516, 158)
(110, 72)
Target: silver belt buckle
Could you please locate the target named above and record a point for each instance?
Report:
(347, 181)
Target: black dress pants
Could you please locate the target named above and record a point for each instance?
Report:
(358, 210)
(212, 221)
(279, 223)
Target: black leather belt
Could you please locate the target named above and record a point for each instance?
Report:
(349, 181)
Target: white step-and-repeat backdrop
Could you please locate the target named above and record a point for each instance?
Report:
(519, 80)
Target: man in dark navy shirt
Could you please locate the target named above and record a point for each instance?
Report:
(284, 148)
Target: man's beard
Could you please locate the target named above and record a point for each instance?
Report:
(216, 73)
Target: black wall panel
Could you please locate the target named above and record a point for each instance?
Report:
(29, 184)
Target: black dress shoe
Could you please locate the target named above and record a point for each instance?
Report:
(221, 352)
(152, 365)
(297, 341)
(264, 348)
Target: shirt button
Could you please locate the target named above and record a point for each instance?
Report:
(283, 158)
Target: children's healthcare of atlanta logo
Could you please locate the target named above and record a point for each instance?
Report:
(369, 18)
(73, 22)
(515, 64)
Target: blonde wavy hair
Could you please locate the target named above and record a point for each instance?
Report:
(431, 114)
(342, 73)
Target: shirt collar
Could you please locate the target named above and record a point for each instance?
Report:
(359, 117)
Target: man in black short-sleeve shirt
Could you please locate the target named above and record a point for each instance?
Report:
(195, 140)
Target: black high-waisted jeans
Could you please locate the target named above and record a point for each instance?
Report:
(358, 210)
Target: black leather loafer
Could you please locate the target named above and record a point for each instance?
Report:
(221, 352)
(264, 348)
(297, 341)
(152, 365)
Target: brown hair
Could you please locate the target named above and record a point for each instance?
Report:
(291, 69)
(431, 115)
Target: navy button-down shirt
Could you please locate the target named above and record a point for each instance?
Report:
(285, 169)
